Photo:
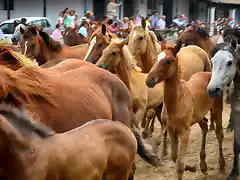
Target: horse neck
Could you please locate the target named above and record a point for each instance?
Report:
(45, 53)
(173, 90)
(207, 45)
(147, 59)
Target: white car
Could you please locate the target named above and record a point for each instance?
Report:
(7, 27)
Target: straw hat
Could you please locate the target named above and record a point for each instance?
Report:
(88, 12)
(125, 19)
(83, 19)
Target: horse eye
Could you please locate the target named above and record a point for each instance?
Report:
(99, 45)
(141, 38)
(229, 63)
(33, 46)
(114, 53)
(168, 62)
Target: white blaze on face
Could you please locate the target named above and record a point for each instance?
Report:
(92, 43)
(161, 56)
(134, 33)
(25, 50)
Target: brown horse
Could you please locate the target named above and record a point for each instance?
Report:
(196, 35)
(71, 37)
(99, 40)
(38, 45)
(186, 103)
(91, 158)
(118, 59)
(91, 92)
(144, 46)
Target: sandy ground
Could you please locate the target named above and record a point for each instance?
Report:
(167, 172)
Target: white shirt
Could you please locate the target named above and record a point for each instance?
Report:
(112, 9)
(161, 24)
(72, 20)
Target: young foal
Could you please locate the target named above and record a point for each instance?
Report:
(38, 45)
(186, 103)
(32, 151)
(225, 70)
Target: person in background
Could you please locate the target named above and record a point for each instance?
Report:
(56, 34)
(72, 18)
(83, 31)
(112, 8)
(66, 18)
(89, 15)
(153, 20)
(148, 24)
(138, 19)
(105, 19)
(125, 24)
(114, 28)
(61, 22)
(76, 21)
(161, 23)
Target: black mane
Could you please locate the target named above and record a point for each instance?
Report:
(20, 119)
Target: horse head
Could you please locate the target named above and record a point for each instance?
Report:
(70, 36)
(193, 35)
(99, 40)
(225, 62)
(166, 65)
(33, 39)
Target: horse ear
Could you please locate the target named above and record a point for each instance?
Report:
(143, 22)
(233, 44)
(177, 48)
(21, 30)
(123, 42)
(104, 29)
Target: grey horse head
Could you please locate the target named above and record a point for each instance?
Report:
(224, 68)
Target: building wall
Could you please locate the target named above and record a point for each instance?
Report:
(202, 11)
(182, 7)
(35, 8)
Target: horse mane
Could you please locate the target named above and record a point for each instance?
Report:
(155, 41)
(20, 119)
(201, 31)
(20, 58)
(225, 46)
(26, 86)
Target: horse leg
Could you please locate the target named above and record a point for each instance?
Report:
(174, 145)
(230, 125)
(212, 126)
(217, 114)
(236, 146)
(132, 173)
(150, 115)
(151, 128)
(140, 114)
(183, 143)
(144, 121)
(204, 127)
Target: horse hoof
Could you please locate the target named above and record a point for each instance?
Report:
(191, 168)
(144, 135)
(203, 166)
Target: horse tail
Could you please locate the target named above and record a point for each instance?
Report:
(142, 151)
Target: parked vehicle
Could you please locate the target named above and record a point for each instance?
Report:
(8, 27)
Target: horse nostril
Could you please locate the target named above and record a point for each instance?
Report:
(217, 89)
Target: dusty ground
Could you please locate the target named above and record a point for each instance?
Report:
(167, 172)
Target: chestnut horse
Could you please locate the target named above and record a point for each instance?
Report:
(38, 45)
(91, 158)
(99, 40)
(186, 103)
(93, 93)
(144, 46)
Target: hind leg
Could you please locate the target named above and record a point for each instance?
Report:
(204, 127)
(132, 173)
(212, 126)
(150, 115)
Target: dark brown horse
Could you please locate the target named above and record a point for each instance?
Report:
(24, 141)
(37, 44)
(71, 37)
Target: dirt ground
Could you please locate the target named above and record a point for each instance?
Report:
(167, 172)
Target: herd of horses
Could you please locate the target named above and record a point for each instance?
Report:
(75, 112)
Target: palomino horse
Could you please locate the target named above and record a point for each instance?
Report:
(225, 70)
(91, 158)
(186, 103)
(99, 40)
(118, 59)
(93, 93)
(144, 46)
(38, 45)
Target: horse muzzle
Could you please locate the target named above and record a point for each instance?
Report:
(151, 83)
(103, 66)
(215, 92)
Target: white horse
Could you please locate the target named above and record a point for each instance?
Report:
(225, 71)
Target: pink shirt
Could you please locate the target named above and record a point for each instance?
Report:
(56, 35)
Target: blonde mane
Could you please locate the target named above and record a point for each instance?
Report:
(27, 85)
(21, 59)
